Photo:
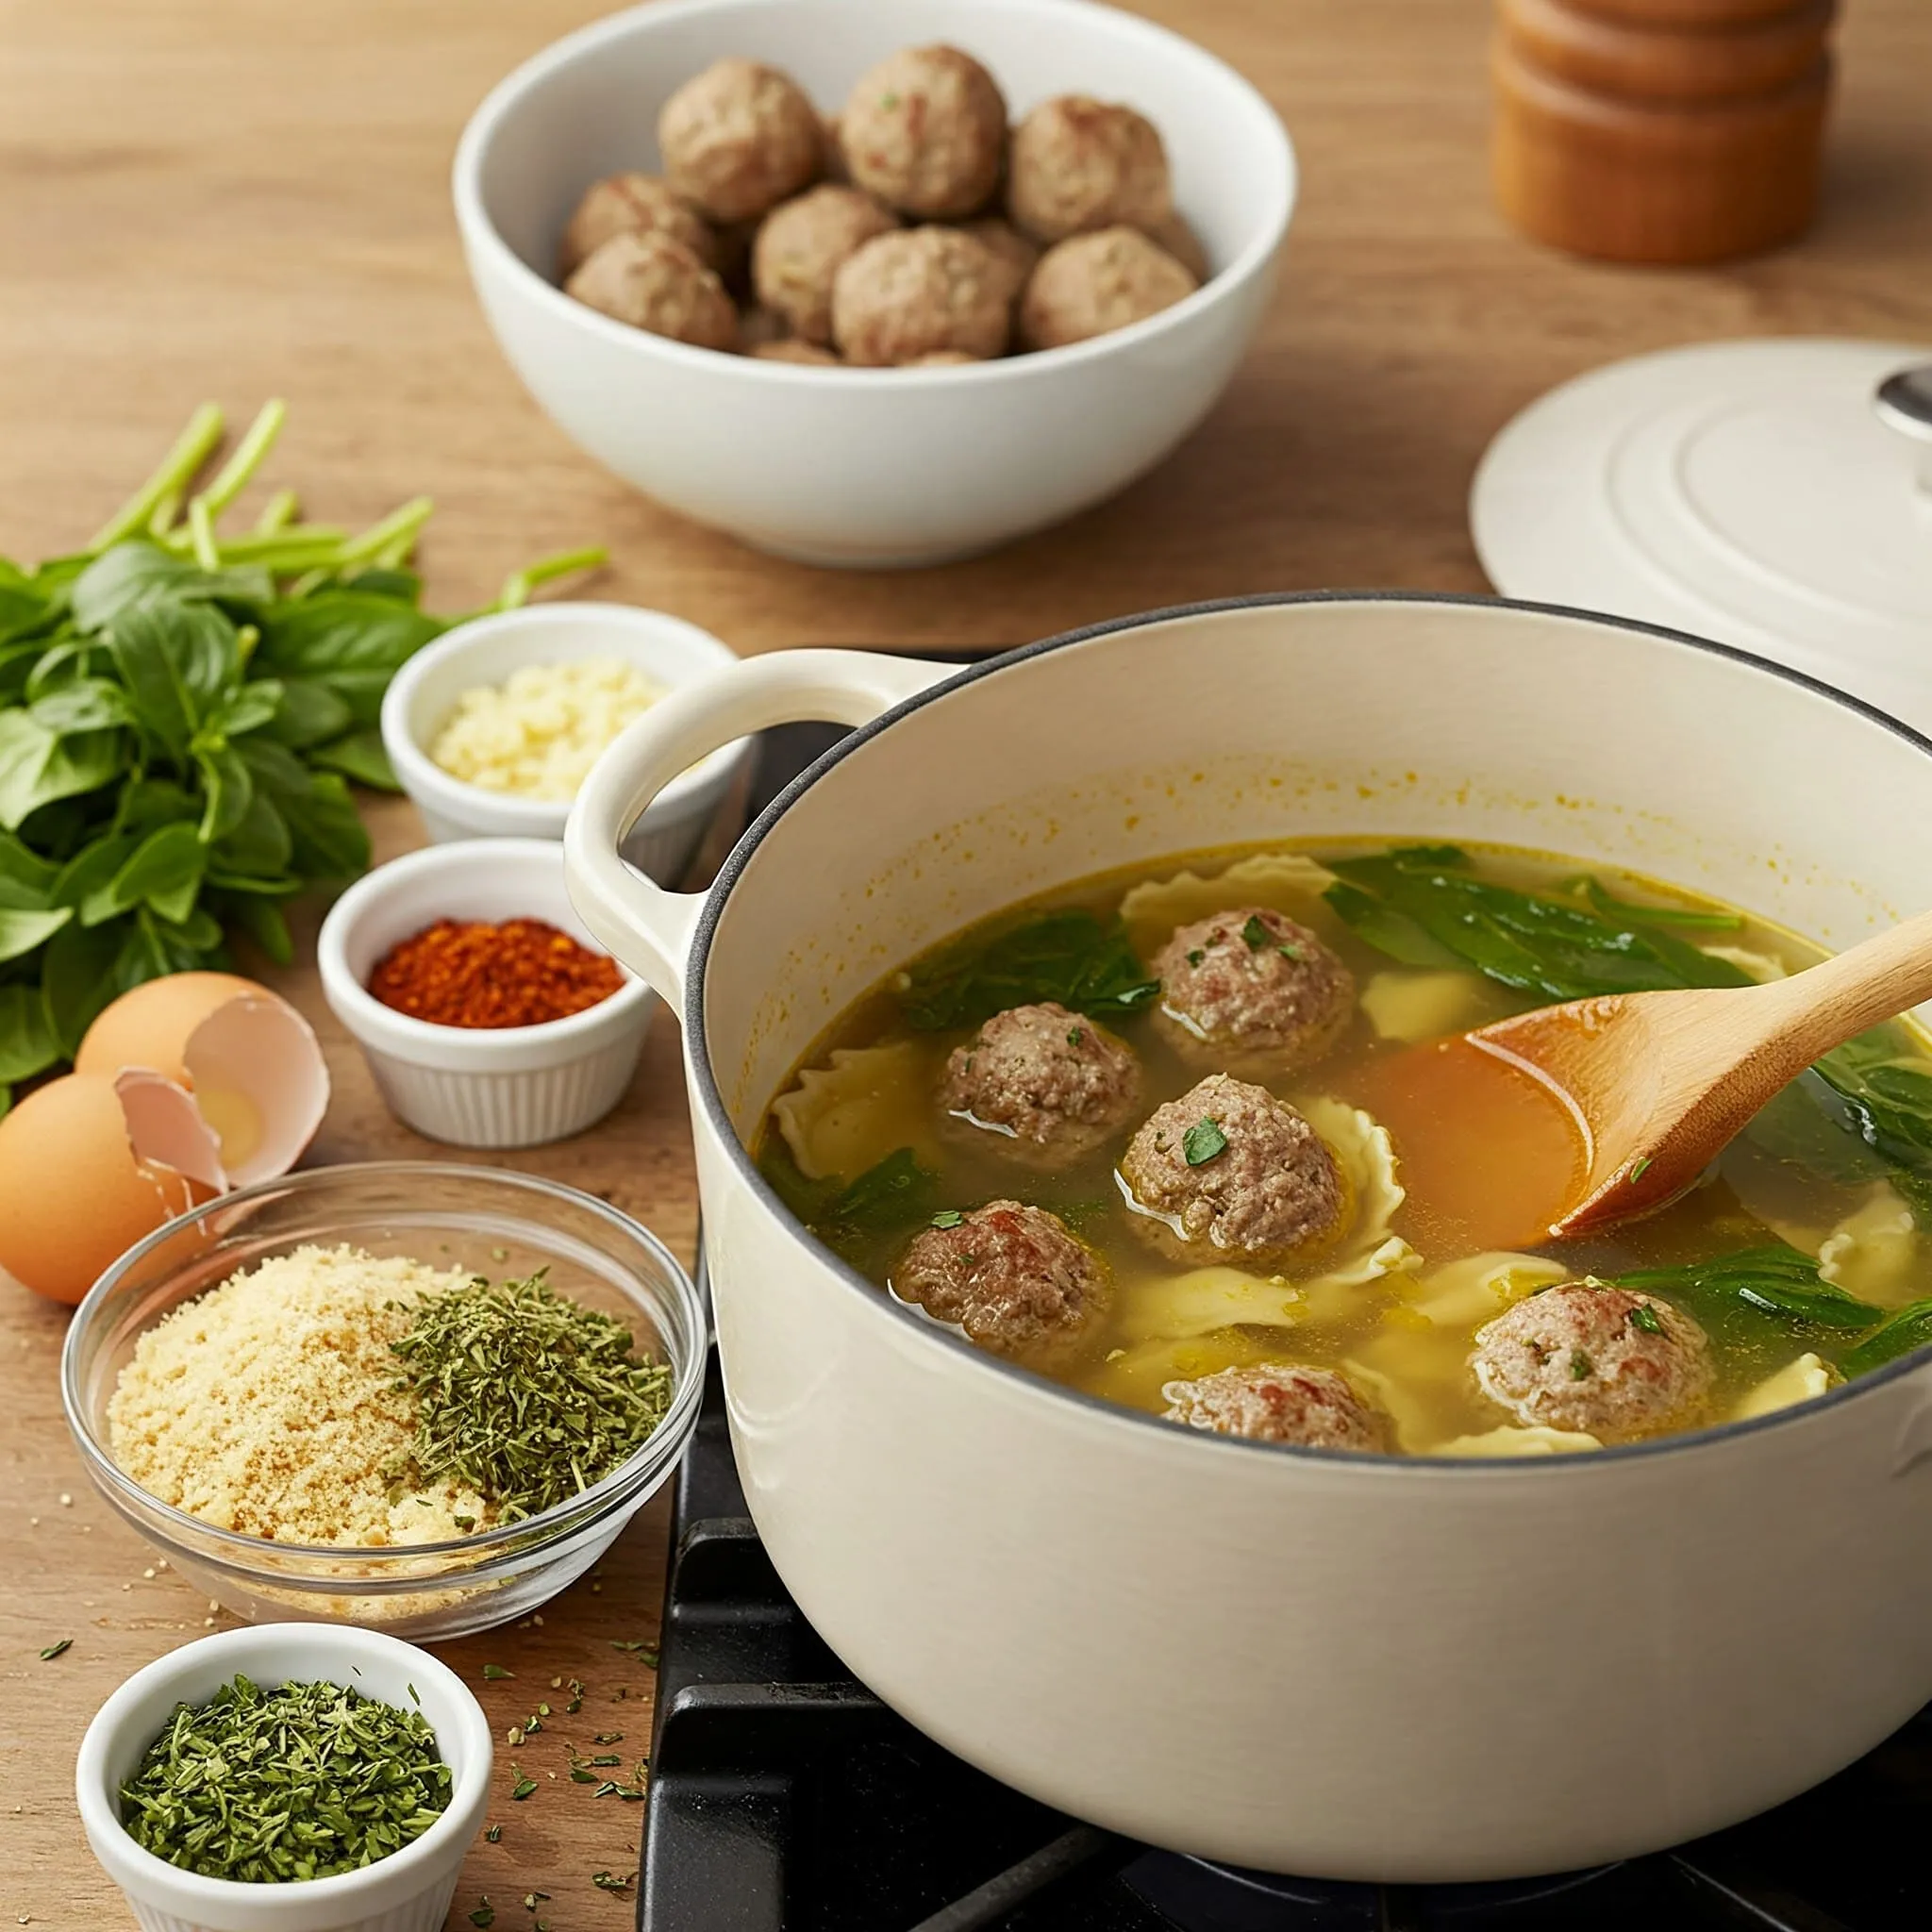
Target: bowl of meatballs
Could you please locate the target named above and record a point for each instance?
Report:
(875, 283)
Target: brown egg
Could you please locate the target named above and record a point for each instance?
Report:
(73, 1195)
(249, 1059)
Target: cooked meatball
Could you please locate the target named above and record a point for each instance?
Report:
(1227, 1172)
(1180, 242)
(655, 283)
(632, 204)
(941, 358)
(925, 131)
(789, 349)
(1279, 1401)
(1008, 246)
(1079, 164)
(1095, 284)
(1254, 988)
(738, 138)
(800, 247)
(1587, 1356)
(833, 164)
(1010, 1276)
(916, 292)
(759, 327)
(1047, 1083)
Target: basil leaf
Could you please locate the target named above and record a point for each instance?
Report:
(309, 713)
(1900, 1334)
(88, 704)
(177, 660)
(402, 585)
(262, 920)
(1071, 957)
(22, 932)
(137, 575)
(341, 638)
(146, 803)
(76, 978)
(359, 756)
(165, 865)
(326, 837)
(27, 1046)
(228, 788)
(37, 766)
(891, 1191)
(257, 704)
(260, 845)
(197, 931)
(26, 879)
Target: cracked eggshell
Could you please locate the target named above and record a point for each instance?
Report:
(73, 1197)
(248, 1058)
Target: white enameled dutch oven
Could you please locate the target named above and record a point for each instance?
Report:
(1340, 1665)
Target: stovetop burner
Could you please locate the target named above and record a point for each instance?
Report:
(785, 1797)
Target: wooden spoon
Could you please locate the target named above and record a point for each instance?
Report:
(1659, 1082)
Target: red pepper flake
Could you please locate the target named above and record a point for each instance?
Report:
(469, 973)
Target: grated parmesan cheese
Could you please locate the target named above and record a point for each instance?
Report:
(268, 1404)
(539, 732)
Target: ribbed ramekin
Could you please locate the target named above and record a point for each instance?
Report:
(476, 1086)
(408, 1892)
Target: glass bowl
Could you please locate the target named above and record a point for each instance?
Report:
(498, 1224)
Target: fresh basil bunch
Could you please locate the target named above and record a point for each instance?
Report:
(181, 716)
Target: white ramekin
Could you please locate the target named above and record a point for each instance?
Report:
(408, 1892)
(484, 652)
(478, 1086)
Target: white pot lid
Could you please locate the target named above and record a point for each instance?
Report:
(1757, 492)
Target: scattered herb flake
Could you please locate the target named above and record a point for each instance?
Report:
(524, 1785)
(494, 1835)
(608, 1738)
(646, 1654)
(533, 1899)
(1289, 950)
(1581, 1367)
(1203, 1141)
(947, 1217)
(484, 1916)
(1637, 1169)
(494, 1673)
(610, 1881)
(1645, 1317)
(1255, 933)
(1195, 956)
(60, 1647)
(1076, 1035)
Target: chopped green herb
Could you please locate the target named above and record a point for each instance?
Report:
(494, 1673)
(1203, 1141)
(484, 1916)
(1638, 1169)
(577, 1698)
(60, 1647)
(299, 1782)
(524, 1395)
(608, 1738)
(465, 1523)
(1581, 1367)
(1255, 933)
(494, 1835)
(1289, 950)
(532, 1899)
(609, 1759)
(1645, 1317)
(646, 1654)
(1195, 956)
(542, 1710)
(610, 1881)
(1076, 1035)
(524, 1785)
(532, 1725)
(947, 1217)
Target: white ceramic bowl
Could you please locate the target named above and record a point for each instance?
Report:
(484, 652)
(867, 467)
(408, 1892)
(478, 1086)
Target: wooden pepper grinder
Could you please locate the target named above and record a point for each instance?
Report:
(1661, 130)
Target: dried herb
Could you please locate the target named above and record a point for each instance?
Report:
(294, 1783)
(58, 1648)
(523, 1395)
(610, 1881)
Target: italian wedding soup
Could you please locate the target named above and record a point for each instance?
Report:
(1206, 1141)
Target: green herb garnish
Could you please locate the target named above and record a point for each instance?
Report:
(947, 1217)
(1076, 1035)
(608, 1738)
(523, 1395)
(610, 1881)
(646, 1654)
(494, 1836)
(1203, 1141)
(1195, 956)
(1775, 1280)
(496, 1672)
(1255, 933)
(182, 711)
(1581, 1367)
(1645, 1317)
(296, 1783)
(1082, 962)
(60, 1647)
(484, 1916)
(1638, 1169)
(523, 1785)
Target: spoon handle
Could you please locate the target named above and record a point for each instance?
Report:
(1838, 998)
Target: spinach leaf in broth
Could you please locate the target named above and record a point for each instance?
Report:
(1911, 1329)
(1774, 1279)
(854, 1217)
(1085, 963)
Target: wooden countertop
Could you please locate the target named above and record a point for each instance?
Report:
(231, 201)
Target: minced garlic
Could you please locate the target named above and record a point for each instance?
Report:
(539, 732)
(269, 1405)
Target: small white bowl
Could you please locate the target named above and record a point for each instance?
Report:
(868, 468)
(408, 1892)
(484, 652)
(478, 1086)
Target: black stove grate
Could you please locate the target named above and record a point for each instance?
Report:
(785, 1797)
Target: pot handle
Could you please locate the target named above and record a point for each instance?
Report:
(645, 926)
